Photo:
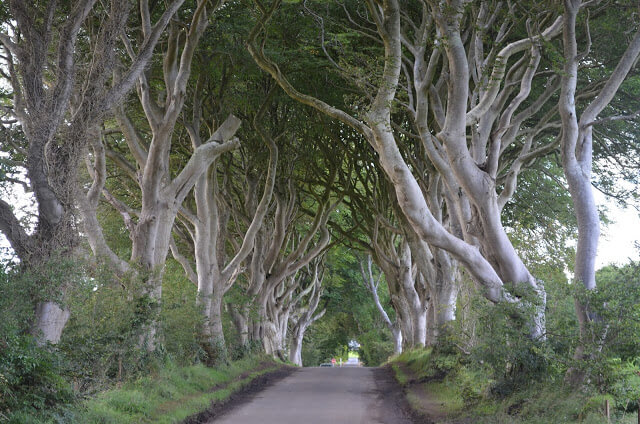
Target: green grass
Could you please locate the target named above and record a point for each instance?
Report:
(545, 403)
(464, 393)
(173, 394)
(400, 375)
(417, 361)
(447, 395)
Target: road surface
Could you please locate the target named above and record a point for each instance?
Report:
(347, 395)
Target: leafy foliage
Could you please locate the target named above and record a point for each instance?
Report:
(350, 315)
(33, 381)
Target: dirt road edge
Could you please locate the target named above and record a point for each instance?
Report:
(395, 394)
(241, 396)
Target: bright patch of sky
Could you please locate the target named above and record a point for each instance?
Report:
(619, 240)
(24, 208)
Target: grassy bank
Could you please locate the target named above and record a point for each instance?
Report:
(173, 394)
(447, 389)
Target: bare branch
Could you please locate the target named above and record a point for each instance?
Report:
(182, 260)
(132, 137)
(263, 206)
(499, 68)
(144, 55)
(368, 279)
(88, 205)
(615, 118)
(626, 62)
(267, 65)
(220, 142)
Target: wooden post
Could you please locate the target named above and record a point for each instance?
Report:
(607, 410)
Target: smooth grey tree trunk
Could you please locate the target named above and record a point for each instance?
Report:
(50, 320)
(295, 349)
(483, 248)
(577, 159)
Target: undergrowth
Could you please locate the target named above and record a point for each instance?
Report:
(465, 391)
(173, 394)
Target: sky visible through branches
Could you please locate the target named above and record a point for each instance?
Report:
(619, 241)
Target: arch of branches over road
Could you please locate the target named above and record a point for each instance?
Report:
(246, 139)
(464, 78)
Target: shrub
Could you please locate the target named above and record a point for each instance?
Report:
(101, 338)
(375, 347)
(504, 345)
(181, 319)
(624, 383)
(30, 377)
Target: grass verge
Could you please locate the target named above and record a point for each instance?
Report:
(444, 389)
(174, 393)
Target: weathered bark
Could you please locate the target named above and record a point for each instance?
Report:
(56, 119)
(295, 349)
(439, 272)
(275, 311)
(240, 322)
(272, 339)
(406, 287)
(470, 172)
(577, 157)
(49, 323)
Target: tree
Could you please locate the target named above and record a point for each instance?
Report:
(57, 103)
(162, 194)
(469, 171)
(372, 286)
(577, 151)
(421, 278)
(285, 245)
(305, 303)
(208, 231)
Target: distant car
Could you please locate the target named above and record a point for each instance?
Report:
(326, 364)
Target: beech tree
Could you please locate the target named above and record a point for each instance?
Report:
(56, 105)
(305, 305)
(481, 100)
(208, 226)
(162, 194)
(421, 278)
(464, 73)
(577, 150)
(285, 245)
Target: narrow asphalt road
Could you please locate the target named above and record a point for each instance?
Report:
(347, 395)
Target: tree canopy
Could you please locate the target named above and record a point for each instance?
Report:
(212, 178)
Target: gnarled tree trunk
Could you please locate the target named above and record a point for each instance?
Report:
(57, 105)
(577, 158)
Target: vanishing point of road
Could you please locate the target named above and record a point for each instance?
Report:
(347, 395)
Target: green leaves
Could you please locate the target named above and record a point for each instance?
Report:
(30, 377)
